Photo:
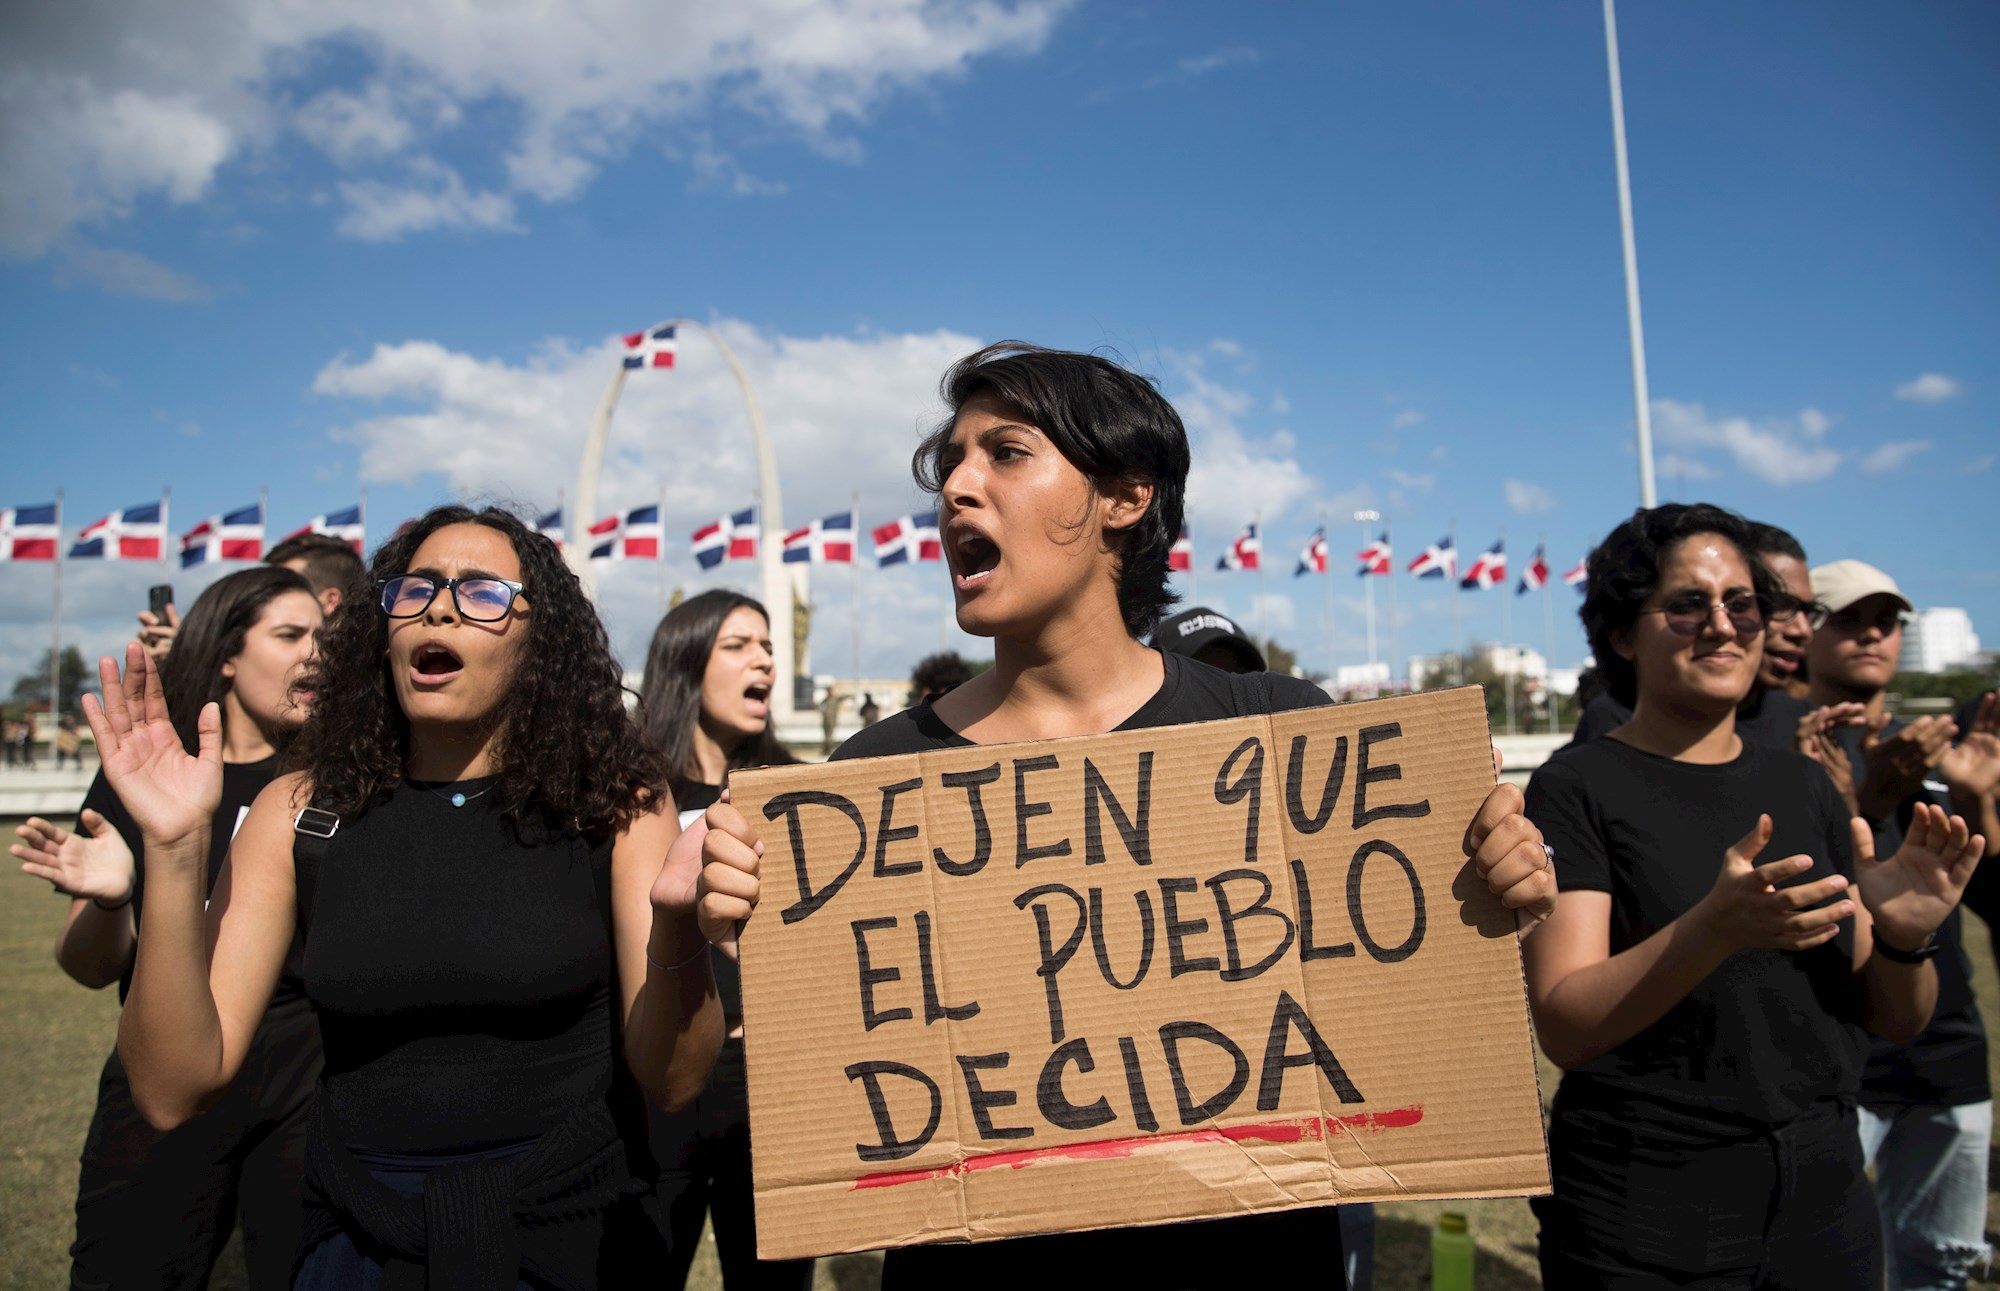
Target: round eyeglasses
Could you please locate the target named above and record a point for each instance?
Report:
(1747, 613)
(480, 600)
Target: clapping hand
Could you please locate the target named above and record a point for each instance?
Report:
(1910, 894)
(1751, 908)
(169, 794)
(1972, 766)
(96, 866)
(1892, 769)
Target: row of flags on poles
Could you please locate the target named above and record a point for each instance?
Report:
(141, 533)
(638, 534)
(1439, 560)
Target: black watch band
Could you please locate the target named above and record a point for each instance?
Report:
(1930, 947)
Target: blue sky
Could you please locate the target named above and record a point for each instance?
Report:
(1371, 252)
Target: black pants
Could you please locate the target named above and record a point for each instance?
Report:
(704, 1157)
(154, 1210)
(1791, 1209)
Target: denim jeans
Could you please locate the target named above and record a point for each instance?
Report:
(1930, 1181)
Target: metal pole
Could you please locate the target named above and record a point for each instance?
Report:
(1513, 655)
(1642, 405)
(1549, 639)
(1457, 631)
(854, 599)
(1326, 591)
(55, 628)
(1257, 522)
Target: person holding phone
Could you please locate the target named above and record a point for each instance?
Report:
(497, 937)
(155, 1209)
(1059, 478)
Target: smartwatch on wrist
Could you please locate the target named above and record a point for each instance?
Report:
(1894, 955)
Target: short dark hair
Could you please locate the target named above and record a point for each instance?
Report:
(329, 561)
(937, 673)
(211, 635)
(670, 695)
(1625, 568)
(1770, 540)
(1110, 423)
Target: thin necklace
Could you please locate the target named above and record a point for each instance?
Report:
(459, 799)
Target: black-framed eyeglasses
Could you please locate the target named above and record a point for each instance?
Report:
(1785, 607)
(1747, 612)
(481, 600)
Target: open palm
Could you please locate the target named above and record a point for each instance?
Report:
(96, 865)
(169, 794)
(1973, 764)
(1910, 894)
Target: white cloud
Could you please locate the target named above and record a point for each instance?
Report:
(1527, 498)
(1776, 450)
(1416, 483)
(1675, 466)
(1405, 419)
(1235, 56)
(1931, 387)
(1982, 463)
(124, 273)
(103, 104)
(432, 197)
(1892, 456)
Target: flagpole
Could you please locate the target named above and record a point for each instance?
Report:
(166, 529)
(55, 628)
(661, 550)
(1257, 521)
(854, 567)
(1395, 625)
(1636, 330)
(1457, 630)
(1507, 631)
(1326, 591)
(1549, 635)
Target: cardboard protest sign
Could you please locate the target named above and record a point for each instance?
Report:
(1155, 975)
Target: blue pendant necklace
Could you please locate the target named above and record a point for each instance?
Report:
(459, 798)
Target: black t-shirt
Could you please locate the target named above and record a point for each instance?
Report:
(241, 783)
(1769, 1033)
(1768, 717)
(461, 969)
(1946, 1065)
(691, 800)
(1215, 1253)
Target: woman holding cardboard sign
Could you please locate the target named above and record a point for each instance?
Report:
(474, 855)
(1710, 1021)
(1059, 479)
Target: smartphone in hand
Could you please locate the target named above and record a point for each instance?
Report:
(158, 598)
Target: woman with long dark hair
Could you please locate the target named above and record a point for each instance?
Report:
(705, 704)
(1722, 936)
(153, 1209)
(1059, 479)
(473, 850)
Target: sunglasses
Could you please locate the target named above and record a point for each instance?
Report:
(1747, 612)
(479, 600)
(1884, 621)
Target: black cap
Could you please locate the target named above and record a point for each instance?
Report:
(1195, 630)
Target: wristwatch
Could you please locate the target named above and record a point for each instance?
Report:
(1930, 947)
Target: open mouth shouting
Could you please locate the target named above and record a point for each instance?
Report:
(757, 699)
(974, 556)
(434, 664)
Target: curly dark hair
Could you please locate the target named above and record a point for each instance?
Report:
(1624, 569)
(1110, 423)
(670, 695)
(569, 755)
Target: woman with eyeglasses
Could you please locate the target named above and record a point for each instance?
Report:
(475, 852)
(705, 704)
(1059, 479)
(1723, 935)
(155, 1209)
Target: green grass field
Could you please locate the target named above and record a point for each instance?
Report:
(54, 1036)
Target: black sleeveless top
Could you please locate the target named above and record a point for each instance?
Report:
(461, 969)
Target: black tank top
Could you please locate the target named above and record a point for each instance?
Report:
(461, 969)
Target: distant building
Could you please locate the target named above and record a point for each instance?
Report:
(1358, 676)
(1937, 639)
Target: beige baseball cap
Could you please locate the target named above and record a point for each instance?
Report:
(1844, 582)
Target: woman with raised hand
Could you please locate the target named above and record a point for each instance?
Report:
(1723, 935)
(705, 704)
(475, 853)
(154, 1209)
(1059, 479)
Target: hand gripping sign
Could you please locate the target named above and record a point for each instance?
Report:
(1133, 978)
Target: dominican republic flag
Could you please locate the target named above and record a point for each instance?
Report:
(653, 348)
(1440, 560)
(636, 535)
(234, 535)
(550, 527)
(344, 525)
(1536, 576)
(29, 533)
(1313, 559)
(1181, 555)
(828, 540)
(1245, 553)
(1374, 557)
(733, 537)
(908, 538)
(1490, 570)
(136, 533)
(1576, 576)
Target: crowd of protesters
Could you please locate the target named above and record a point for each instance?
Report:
(438, 984)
